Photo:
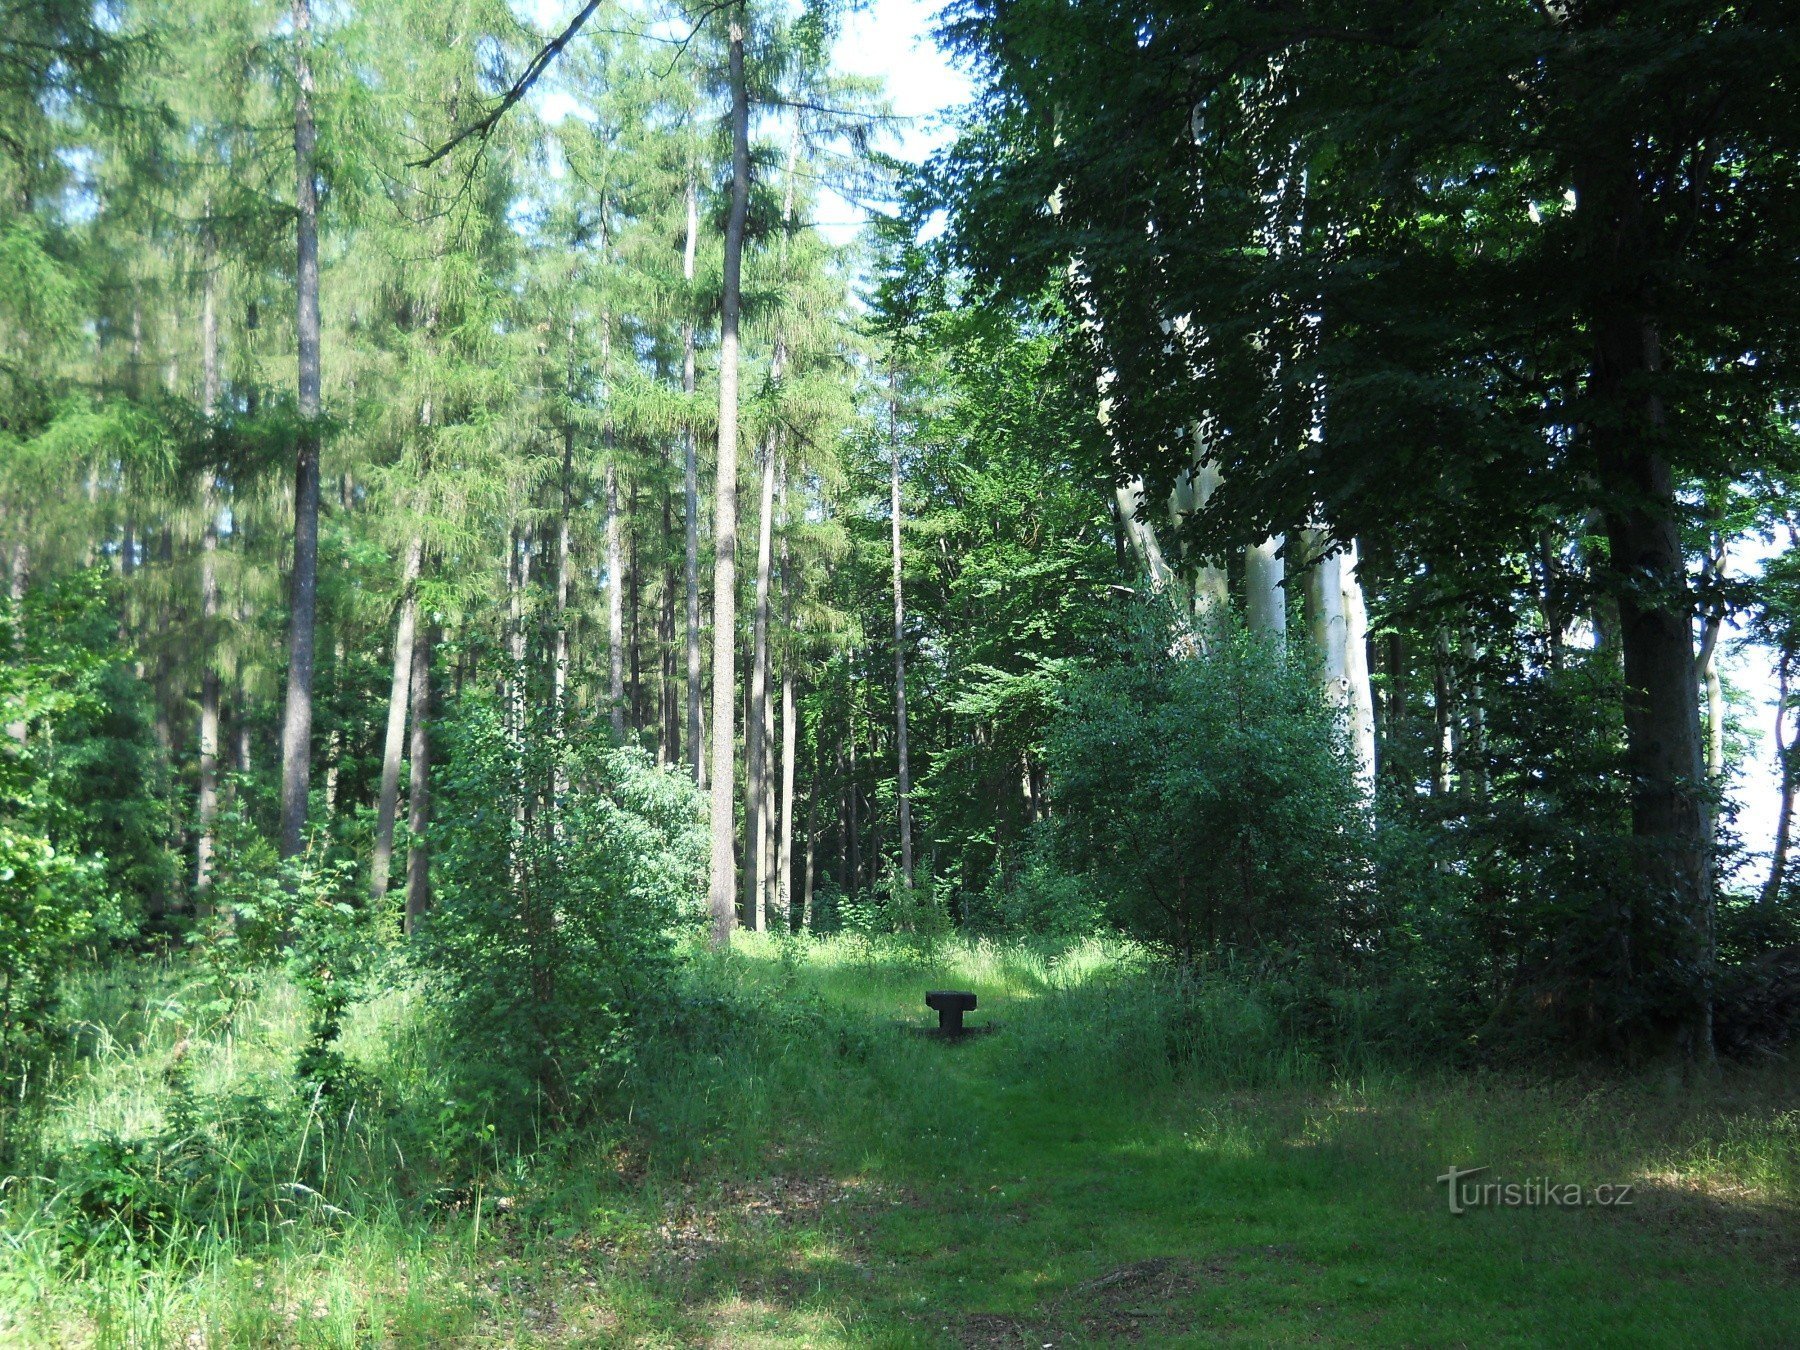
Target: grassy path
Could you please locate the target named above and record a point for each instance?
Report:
(1020, 1189)
(821, 1176)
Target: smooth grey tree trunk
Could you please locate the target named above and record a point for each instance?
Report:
(297, 716)
(1265, 590)
(722, 878)
(387, 806)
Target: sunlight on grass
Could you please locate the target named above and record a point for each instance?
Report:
(1128, 1156)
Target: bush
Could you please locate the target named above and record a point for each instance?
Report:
(559, 894)
(1209, 798)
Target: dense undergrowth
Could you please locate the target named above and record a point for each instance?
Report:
(783, 1161)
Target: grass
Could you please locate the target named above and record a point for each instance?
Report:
(1105, 1168)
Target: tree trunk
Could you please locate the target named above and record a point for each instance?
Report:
(691, 504)
(1361, 695)
(615, 609)
(806, 893)
(207, 811)
(21, 573)
(559, 667)
(854, 828)
(1784, 759)
(388, 803)
(1649, 578)
(784, 849)
(722, 873)
(635, 699)
(904, 785)
(1443, 748)
(756, 726)
(1212, 589)
(296, 724)
(669, 687)
(418, 790)
(1129, 500)
(1265, 595)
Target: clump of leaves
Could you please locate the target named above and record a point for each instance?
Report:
(1208, 795)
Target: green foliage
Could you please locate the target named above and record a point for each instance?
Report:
(560, 892)
(1208, 796)
(83, 823)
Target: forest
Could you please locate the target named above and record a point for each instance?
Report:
(564, 568)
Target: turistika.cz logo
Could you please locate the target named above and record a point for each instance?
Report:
(1533, 1193)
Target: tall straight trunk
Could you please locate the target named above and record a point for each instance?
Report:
(1784, 758)
(334, 745)
(518, 582)
(207, 812)
(559, 666)
(854, 828)
(1326, 625)
(418, 785)
(387, 805)
(904, 784)
(615, 608)
(784, 848)
(635, 699)
(765, 900)
(1443, 745)
(812, 835)
(296, 723)
(1706, 663)
(1647, 573)
(690, 470)
(759, 781)
(756, 729)
(1265, 591)
(722, 878)
(1394, 724)
(21, 572)
(669, 695)
(1360, 691)
(1211, 587)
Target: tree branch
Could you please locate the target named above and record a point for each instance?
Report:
(521, 86)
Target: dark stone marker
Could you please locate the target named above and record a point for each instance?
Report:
(951, 1004)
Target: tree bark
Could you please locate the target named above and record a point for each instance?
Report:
(1265, 595)
(207, 811)
(722, 878)
(20, 560)
(615, 609)
(756, 727)
(418, 790)
(296, 725)
(1784, 759)
(1360, 691)
(691, 504)
(388, 802)
(635, 698)
(669, 687)
(784, 850)
(904, 784)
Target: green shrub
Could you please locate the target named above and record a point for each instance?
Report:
(571, 868)
(1208, 797)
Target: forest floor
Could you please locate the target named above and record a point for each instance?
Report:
(1053, 1183)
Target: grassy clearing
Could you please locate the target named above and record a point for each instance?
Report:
(1099, 1170)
